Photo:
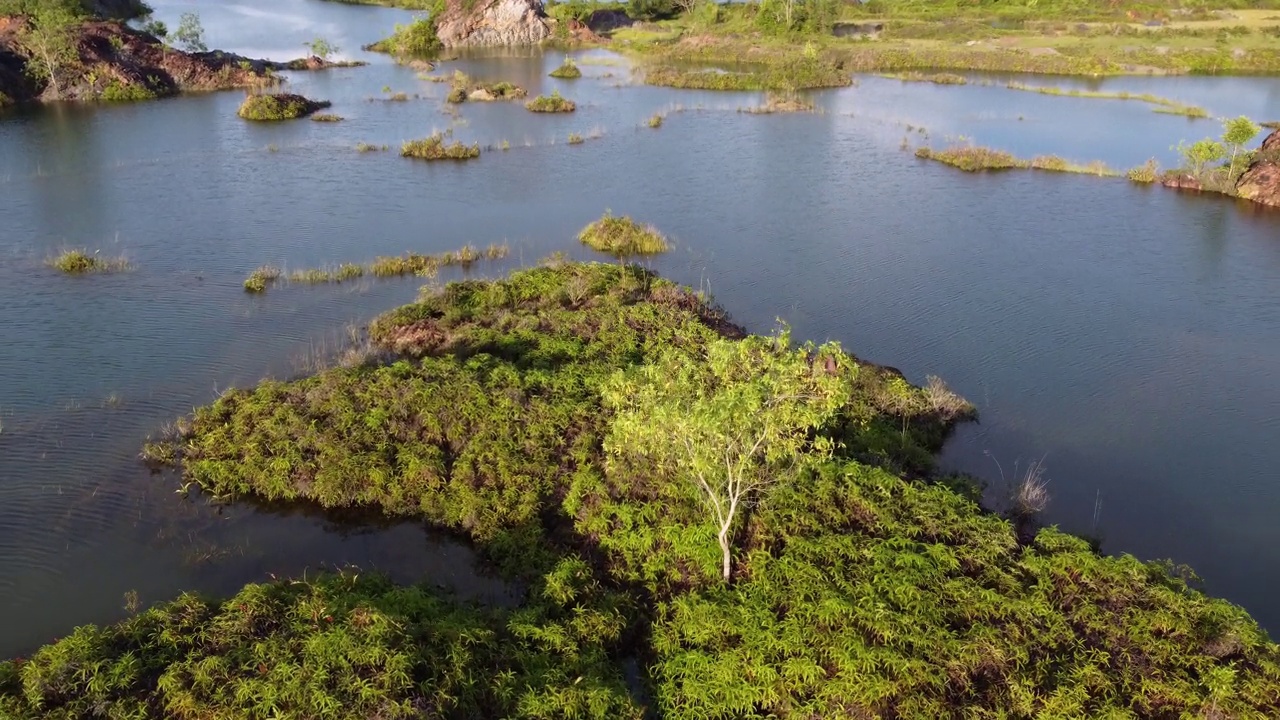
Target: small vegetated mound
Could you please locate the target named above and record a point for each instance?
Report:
(79, 262)
(282, 106)
(935, 78)
(623, 237)
(261, 278)
(435, 148)
(370, 147)
(782, 103)
(463, 88)
(327, 118)
(655, 120)
(575, 139)
(552, 103)
(975, 159)
(568, 70)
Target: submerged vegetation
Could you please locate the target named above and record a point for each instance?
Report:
(435, 148)
(281, 106)
(552, 103)
(1163, 105)
(735, 513)
(79, 262)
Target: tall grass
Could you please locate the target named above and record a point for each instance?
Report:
(434, 148)
(79, 262)
(623, 237)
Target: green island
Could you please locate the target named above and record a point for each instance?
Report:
(701, 522)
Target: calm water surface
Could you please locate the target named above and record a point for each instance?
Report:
(1128, 336)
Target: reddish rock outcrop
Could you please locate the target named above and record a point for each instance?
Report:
(1261, 182)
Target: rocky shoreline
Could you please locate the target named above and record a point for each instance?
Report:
(117, 62)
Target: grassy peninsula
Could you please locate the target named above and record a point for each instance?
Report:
(756, 527)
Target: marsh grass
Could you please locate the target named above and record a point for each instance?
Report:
(623, 237)
(791, 75)
(79, 262)
(1163, 105)
(276, 107)
(782, 103)
(261, 278)
(434, 148)
(567, 70)
(327, 117)
(463, 88)
(575, 139)
(369, 147)
(977, 159)
(344, 272)
(935, 78)
(552, 103)
(655, 120)
(1145, 173)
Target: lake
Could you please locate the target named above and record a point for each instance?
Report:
(1127, 336)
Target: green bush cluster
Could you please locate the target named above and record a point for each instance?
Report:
(552, 103)
(854, 593)
(283, 106)
(415, 39)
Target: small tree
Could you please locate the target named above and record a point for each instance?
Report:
(190, 33)
(1236, 133)
(51, 41)
(731, 422)
(322, 48)
(151, 26)
(1201, 153)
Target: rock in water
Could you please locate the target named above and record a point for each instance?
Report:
(1261, 182)
(492, 22)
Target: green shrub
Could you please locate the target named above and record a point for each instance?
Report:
(261, 277)
(284, 106)
(416, 39)
(1144, 173)
(434, 148)
(552, 103)
(117, 91)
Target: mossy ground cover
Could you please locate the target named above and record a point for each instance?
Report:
(860, 586)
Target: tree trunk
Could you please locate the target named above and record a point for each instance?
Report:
(724, 550)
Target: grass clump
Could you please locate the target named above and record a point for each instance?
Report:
(568, 70)
(284, 106)
(575, 139)
(655, 120)
(370, 147)
(552, 103)
(319, 276)
(463, 88)
(261, 277)
(434, 148)
(79, 262)
(327, 118)
(623, 237)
